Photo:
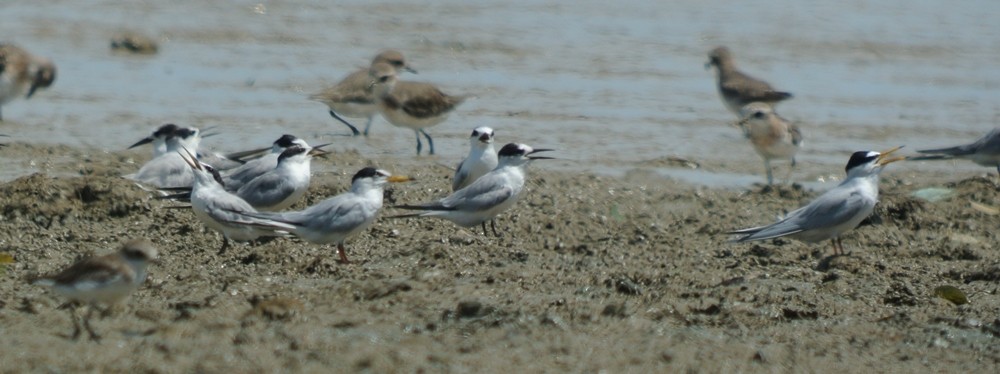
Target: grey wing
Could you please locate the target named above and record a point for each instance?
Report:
(833, 208)
(266, 190)
(228, 208)
(246, 173)
(461, 177)
(480, 195)
(987, 144)
(337, 214)
(990, 143)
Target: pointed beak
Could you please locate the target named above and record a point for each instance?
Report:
(884, 159)
(31, 91)
(145, 140)
(243, 154)
(409, 69)
(316, 151)
(190, 159)
(205, 132)
(540, 157)
(399, 179)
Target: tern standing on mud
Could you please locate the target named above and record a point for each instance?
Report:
(333, 220)
(488, 196)
(835, 212)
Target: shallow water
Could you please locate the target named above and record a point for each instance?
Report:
(609, 86)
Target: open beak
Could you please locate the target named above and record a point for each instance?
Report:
(190, 159)
(540, 157)
(399, 178)
(145, 140)
(884, 159)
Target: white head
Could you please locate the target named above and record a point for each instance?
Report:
(870, 163)
(204, 174)
(755, 111)
(519, 154)
(481, 137)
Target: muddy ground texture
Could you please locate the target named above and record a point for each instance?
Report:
(591, 273)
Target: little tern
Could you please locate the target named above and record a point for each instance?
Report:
(773, 137)
(488, 196)
(834, 212)
(170, 170)
(333, 220)
(738, 89)
(236, 178)
(352, 97)
(282, 186)
(216, 207)
(105, 280)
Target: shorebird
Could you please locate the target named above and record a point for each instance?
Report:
(21, 73)
(985, 151)
(836, 211)
(235, 179)
(352, 97)
(412, 105)
(487, 197)
(282, 186)
(105, 280)
(169, 170)
(216, 207)
(333, 220)
(772, 137)
(482, 159)
(738, 89)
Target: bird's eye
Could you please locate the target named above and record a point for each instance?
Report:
(383, 79)
(758, 115)
(475, 133)
(397, 63)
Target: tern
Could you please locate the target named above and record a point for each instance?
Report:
(488, 196)
(834, 212)
(170, 170)
(235, 179)
(985, 151)
(333, 220)
(282, 186)
(482, 159)
(216, 207)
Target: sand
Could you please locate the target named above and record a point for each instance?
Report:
(592, 273)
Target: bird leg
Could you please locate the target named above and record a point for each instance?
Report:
(354, 130)
(343, 254)
(788, 177)
(493, 225)
(368, 125)
(484, 228)
(225, 245)
(86, 324)
(429, 140)
(419, 145)
(76, 320)
(767, 166)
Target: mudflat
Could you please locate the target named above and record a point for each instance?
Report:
(592, 273)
